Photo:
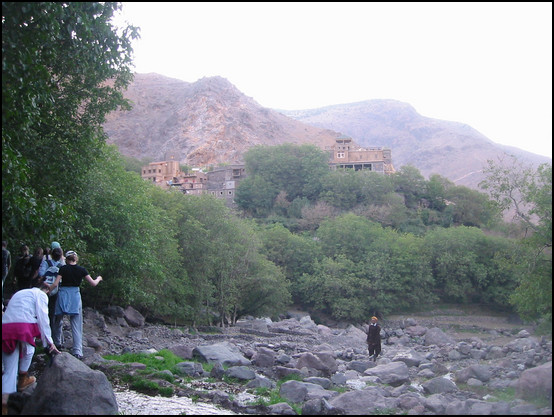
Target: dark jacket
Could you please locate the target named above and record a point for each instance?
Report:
(374, 334)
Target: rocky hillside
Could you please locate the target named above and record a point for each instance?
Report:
(453, 150)
(201, 123)
(211, 121)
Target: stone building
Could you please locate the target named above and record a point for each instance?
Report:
(222, 182)
(346, 154)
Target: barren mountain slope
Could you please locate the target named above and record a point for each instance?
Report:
(206, 122)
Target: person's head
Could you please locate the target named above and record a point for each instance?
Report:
(374, 319)
(38, 252)
(55, 245)
(71, 256)
(57, 254)
(4, 244)
(24, 250)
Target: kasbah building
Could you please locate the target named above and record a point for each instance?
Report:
(222, 182)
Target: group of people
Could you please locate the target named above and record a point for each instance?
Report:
(47, 290)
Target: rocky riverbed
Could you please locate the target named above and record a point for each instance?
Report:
(446, 362)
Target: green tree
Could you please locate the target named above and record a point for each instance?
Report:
(296, 170)
(294, 254)
(528, 191)
(123, 235)
(64, 67)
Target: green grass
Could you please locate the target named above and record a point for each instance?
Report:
(271, 396)
(160, 361)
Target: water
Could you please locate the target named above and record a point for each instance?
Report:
(132, 403)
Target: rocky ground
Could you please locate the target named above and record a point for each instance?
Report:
(445, 361)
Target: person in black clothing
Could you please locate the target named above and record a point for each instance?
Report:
(69, 300)
(374, 339)
(36, 260)
(22, 269)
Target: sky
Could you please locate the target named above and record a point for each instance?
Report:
(487, 65)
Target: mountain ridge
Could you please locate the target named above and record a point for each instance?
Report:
(211, 122)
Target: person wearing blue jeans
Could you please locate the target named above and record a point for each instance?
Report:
(69, 300)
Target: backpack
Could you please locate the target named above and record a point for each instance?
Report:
(51, 274)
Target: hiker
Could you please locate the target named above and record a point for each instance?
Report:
(49, 269)
(25, 318)
(22, 269)
(36, 260)
(69, 300)
(374, 339)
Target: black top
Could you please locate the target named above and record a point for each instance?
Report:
(374, 334)
(72, 275)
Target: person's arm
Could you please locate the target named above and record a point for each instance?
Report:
(56, 282)
(93, 282)
(42, 268)
(43, 321)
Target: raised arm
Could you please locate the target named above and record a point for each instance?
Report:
(93, 282)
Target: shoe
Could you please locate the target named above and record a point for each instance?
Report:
(25, 381)
(80, 357)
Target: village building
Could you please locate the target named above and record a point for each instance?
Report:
(346, 154)
(222, 182)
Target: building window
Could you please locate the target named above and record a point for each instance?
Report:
(340, 154)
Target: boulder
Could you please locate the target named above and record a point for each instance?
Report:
(436, 336)
(535, 382)
(225, 353)
(133, 317)
(68, 386)
(394, 373)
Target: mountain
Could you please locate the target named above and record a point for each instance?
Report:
(201, 123)
(211, 122)
(451, 149)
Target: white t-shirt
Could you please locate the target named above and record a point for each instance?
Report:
(30, 306)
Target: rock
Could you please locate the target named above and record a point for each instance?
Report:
(224, 352)
(436, 336)
(69, 386)
(133, 317)
(394, 373)
(536, 382)
(439, 385)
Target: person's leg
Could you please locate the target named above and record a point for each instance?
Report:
(24, 380)
(77, 332)
(377, 352)
(57, 330)
(9, 377)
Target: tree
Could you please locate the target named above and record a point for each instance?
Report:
(512, 184)
(64, 67)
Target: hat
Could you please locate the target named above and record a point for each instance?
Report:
(55, 245)
(374, 318)
(70, 253)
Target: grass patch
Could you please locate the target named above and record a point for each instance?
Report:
(148, 387)
(160, 361)
(271, 396)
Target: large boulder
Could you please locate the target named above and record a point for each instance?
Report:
(224, 353)
(69, 387)
(394, 373)
(536, 382)
(436, 336)
(133, 317)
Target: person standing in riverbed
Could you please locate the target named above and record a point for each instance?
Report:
(374, 339)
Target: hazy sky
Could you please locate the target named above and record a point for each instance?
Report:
(488, 65)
